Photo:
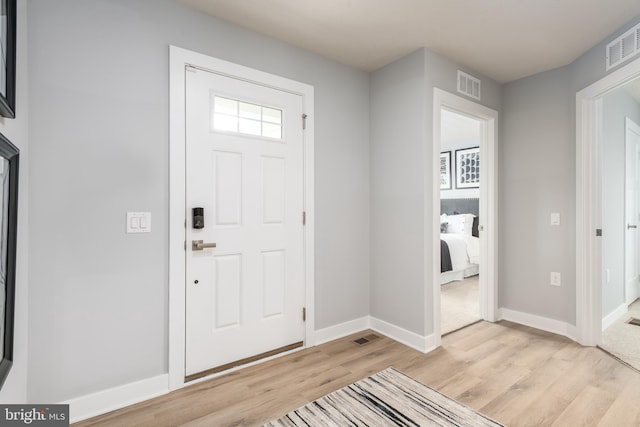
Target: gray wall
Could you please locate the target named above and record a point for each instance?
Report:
(401, 184)
(537, 178)
(398, 133)
(99, 119)
(615, 108)
(14, 389)
(538, 141)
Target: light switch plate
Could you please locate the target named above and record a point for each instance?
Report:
(138, 222)
(556, 279)
(555, 218)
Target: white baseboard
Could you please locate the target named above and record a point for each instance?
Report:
(111, 399)
(341, 330)
(610, 318)
(539, 322)
(411, 339)
(84, 407)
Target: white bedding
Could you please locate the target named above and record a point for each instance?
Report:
(464, 249)
(465, 256)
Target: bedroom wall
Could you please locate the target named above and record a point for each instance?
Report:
(14, 389)
(615, 107)
(402, 184)
(99, 120)
(449, 143)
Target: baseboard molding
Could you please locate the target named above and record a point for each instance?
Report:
(111, 399)
(84, 407)
(408, 338)
(341, 330)
(539, 322)
(396, 333)
(610, 318)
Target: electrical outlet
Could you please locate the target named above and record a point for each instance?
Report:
(556, 279)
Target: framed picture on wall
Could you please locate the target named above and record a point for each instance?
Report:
(468, 168)
(8, 56)
(445, 170)
(9, 159)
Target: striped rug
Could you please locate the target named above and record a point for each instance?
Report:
(388, 398)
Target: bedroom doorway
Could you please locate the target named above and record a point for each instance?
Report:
(465, 183)
(460, 140)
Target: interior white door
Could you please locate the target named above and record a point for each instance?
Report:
(632, 212)
(244, 167)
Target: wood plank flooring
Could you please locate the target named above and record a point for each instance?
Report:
(517, 375)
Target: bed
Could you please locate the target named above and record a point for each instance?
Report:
(459, 239)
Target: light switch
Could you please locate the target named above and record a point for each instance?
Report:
(556, 279)
(555, 218)
(138, 222)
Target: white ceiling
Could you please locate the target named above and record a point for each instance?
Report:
(504, 40)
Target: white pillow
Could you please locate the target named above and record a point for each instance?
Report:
(462, 223)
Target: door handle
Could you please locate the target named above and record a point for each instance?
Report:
(631, 226)
(198, 245)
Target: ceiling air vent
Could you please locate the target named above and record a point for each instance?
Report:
(624, 47)
(468, 85)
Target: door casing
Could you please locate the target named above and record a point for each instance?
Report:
(179, 58)
(488, 205)
(589, 201)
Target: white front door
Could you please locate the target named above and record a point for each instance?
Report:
(244, 168)
(632, 211)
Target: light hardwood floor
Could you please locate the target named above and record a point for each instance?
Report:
(514, 374)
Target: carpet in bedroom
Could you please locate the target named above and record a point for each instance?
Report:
(459, 304)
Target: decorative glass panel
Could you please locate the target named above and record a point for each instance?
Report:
(251, 127)
(230, 115)
(250, 111)
(226, 106)
(272, 115)
(224, 122)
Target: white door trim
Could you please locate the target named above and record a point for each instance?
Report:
(488, 205)
(178, 60)
(589, 202)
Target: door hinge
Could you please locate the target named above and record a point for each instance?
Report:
(304, 218)
(304, 314)
(304, 121)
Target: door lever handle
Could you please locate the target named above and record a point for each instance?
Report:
(631, 226)
(198, 245)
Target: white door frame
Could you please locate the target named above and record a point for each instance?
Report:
(589, 201)
(488, 204)
(178, 60)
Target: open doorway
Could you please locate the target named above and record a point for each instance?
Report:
(472, 195)
(620, 180)
(460, 163)
(593, 281)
